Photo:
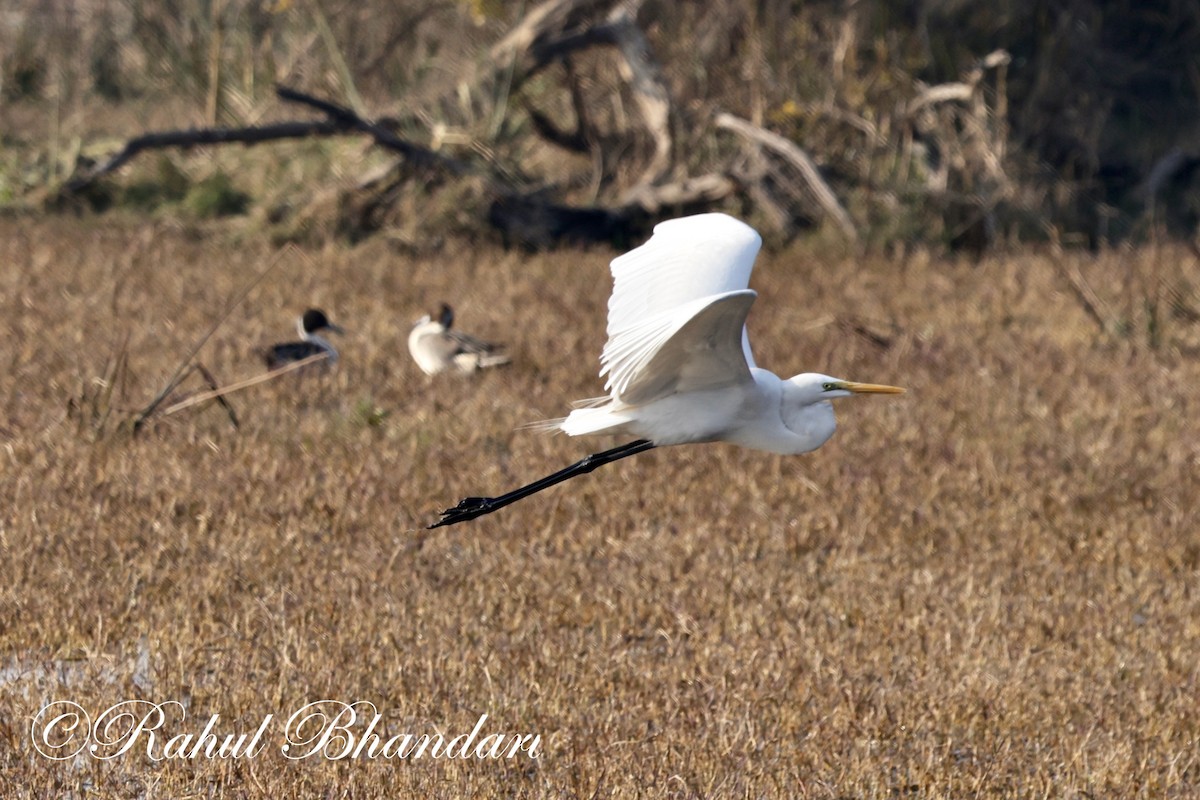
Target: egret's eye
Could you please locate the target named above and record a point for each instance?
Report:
(829, 387)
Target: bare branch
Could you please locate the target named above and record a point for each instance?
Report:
(547, 52)
(702, 189)
(551, 16)
(795, 156)
(180, 371)
(219, 393)
(202, 136)
(554, 30)
(383, 137)
(941, 93)
(341, 120)
(644, 77)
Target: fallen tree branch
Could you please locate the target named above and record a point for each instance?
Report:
(537, 223)
(554, 30)
(651, 199)
(341, 120)
(550, 33)
(421, 156)
(202, 136)
(795, 156)
(554, 15)
(546, 52)
(941, 93)
(645, 79)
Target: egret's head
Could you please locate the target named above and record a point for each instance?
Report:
(812, 387)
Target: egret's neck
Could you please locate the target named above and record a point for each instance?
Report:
(810, 420)
(760, 426)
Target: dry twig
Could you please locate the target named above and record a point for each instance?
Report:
(182, 370)
(219, 393)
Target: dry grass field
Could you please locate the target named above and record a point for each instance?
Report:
(989, 587)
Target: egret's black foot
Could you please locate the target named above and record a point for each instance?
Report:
(467, 508)
(472, 507)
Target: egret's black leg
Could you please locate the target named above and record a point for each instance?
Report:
(472, 507)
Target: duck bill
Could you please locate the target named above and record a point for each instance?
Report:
(871, 388)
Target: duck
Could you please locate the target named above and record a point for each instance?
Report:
(437, 348)
(310, 325)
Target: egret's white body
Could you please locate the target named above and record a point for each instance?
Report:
(678, 360)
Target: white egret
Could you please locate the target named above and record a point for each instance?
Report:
(436, 348)
(679, 364)
(311, 342)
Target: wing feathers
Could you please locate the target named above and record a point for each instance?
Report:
(696, 347)
(686, 259)
(676, 317)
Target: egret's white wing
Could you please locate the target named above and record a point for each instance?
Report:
(697, 346)
(685, 260)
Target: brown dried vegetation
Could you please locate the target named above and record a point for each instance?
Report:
(985, 588)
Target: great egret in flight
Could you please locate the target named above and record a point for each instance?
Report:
(436, 348)
(311, 342)
(678, 360)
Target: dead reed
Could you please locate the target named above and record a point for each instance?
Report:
(985, 589)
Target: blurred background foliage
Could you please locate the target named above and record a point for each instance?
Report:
(1079, 119)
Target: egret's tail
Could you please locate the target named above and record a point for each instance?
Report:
(584, 421)
(544, 425)
(593, 415)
